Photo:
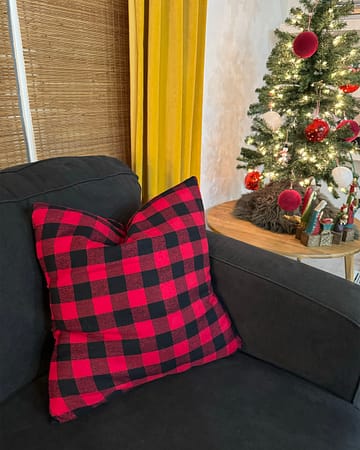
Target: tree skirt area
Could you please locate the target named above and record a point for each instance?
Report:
(261, 208)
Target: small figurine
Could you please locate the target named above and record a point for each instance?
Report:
(327, 224)
(326, 237)
(313, 226)
(306, 209)
(352, 203)
(293, 219)
(341, 219)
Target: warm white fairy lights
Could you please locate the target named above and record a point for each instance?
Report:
(314, 101)
(337, 40)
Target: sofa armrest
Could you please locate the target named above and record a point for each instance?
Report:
(289, 314)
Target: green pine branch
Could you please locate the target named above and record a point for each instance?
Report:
(297, 88)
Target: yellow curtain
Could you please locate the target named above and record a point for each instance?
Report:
(167, 43)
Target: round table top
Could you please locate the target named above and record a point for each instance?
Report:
(220, 219)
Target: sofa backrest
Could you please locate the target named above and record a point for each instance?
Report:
(98, 184)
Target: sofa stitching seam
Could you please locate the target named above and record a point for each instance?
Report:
(30, 165)
(60, 188)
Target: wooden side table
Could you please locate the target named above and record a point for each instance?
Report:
(220, 219)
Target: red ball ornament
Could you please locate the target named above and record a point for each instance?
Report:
(252, 180)
(289, 200)
(353, 125)
(349, 88)
(317, 130)
(305, 44)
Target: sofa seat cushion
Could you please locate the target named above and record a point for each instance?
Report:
(232, 404)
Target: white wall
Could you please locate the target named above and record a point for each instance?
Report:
(239, 39)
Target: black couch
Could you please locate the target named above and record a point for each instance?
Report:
(294, 386)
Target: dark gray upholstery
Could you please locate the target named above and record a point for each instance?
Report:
(238, 403)
(103, 186)
(302, 319)
(294, 386)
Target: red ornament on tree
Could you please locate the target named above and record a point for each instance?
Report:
(305, 44)
(289, 200)
(317, 130)
(252, 180)
(349, 88)
(353, 125)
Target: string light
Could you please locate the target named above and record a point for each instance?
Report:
(298, 95)
(337, 41)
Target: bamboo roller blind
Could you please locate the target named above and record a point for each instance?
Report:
(77, 66)
(12, 145)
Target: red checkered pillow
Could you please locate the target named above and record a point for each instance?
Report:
(128, 308)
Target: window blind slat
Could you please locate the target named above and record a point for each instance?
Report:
(12, 144)
(77, 66)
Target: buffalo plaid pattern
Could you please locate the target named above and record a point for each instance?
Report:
(128, 306)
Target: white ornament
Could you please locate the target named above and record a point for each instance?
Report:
(343, 176)
(284, 155)
(273, 120)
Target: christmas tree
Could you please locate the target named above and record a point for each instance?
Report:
(303, 123)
